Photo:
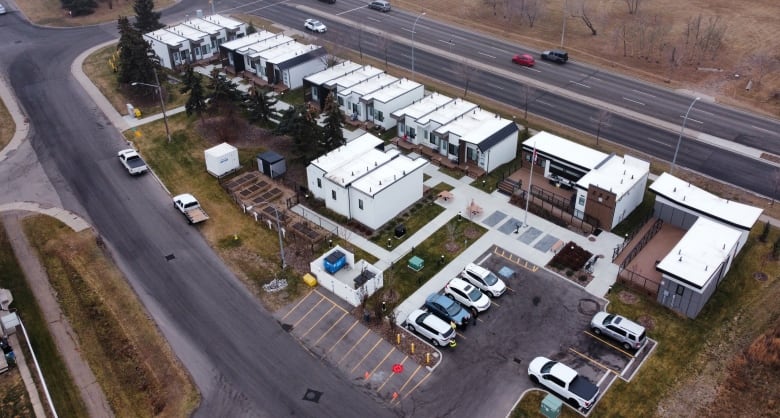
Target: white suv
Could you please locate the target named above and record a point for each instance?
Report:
(628, 333)
(484, 279)
(430, 326)
(467, 295)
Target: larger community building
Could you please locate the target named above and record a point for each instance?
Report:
(362, 182)
(717, 229)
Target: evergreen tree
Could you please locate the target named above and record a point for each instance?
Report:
(192, 83)
(765, 233)
(301, 126)
(333, 135)
(146, 19)
(134, 62)
(79, 7)
(225, 92)
(260, 106)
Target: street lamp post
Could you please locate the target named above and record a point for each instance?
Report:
(162, 102)
(679, 140)
(413, 27)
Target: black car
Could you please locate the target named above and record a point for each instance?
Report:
(447, 309)
(555, 55)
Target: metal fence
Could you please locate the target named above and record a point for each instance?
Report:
(639, 282)
(642, 242)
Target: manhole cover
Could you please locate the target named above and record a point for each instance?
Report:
(760, 276)
(536, 300)
(312, 395)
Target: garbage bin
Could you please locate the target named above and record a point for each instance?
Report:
(400, 231)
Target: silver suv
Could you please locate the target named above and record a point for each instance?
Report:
(381, 5)
(628, 333)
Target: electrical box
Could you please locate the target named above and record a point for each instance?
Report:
(551, 406)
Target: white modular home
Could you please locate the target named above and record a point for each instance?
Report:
(564, 162)
(314, 84)
(406, 117)
(381, 103)
(172, 49)
(200, 41)
(239, 52)
(291, 65)
(695, 267)
(422, 130)
(360, 182)
(480, 138)
(234, 29)
(348, 80)
(217, 34)
(350, 96)
(612, 190)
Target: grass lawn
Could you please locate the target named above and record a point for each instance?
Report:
(131, 360)
(413, 219)
(447, 242)
(14, 401)
(7, 126)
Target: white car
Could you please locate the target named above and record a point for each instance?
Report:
(430, 326)
(315, 25)
(467, 295)
(2, 9)
(484, 279)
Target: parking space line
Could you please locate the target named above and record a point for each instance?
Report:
(330, 329)
(342, 337)
(379, 389)
(330, 300)
(296, 305)
(390, 351)
(307, 313)
(492, 302)
(318, 321)
(607, 343)
(379, 340)
(593, 361)
(409, 379)
(355, 345)
(415, 386)
(515, 259)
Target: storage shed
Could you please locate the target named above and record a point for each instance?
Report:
(271, 164)
(221, 159)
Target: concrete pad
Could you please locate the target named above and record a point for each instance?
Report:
(546, 243)
(509, 226)
(494, 218)
(529, 235)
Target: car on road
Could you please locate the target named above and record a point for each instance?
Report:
(447, 309)
(2, 9)
(315, 25)
(430, 326)
(467, 295)
(132, 162)
(484, 279)
(525, 60)
(628, 333)
(381, 5)
(576, 390)
(556, 56)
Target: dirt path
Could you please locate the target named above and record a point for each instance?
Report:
(60, 329)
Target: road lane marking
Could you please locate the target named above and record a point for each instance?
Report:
(390, 376)
(378, 340)
(390, 351)
(484, 54)
(643, 93)
(519, 261)
(343, 314)
(763, 130)
(659, 142)
(307, 313)
(351, 10)
(544, 103)
(318, 321)
(605, 342)
(355, 345)
(296, 305)
(593, 361)
(580, 84)
(342, 337)
(634, 101)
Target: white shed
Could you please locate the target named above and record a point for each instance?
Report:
(222, 159)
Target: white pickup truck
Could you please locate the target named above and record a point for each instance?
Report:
(132, 161)
(189, 206)
(576, 390)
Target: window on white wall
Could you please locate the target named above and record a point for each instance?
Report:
(315, 93)
(319, 183)
(333, 194)
(360, 204)
(379, 116)
(341, 101)
(581, 200)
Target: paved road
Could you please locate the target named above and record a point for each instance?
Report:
(645, 117)
(241, 359)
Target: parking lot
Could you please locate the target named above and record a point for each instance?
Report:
(542, 314)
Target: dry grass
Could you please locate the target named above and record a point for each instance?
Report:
(130, 358)
(7, 126)
(51, 13)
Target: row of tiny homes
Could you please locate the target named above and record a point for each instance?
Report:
(194, 39)
(608, 187)
(361, 182)
(717, 229)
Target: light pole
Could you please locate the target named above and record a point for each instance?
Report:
(685, 119)
(413, 26)
(563, 31)
(162, 102)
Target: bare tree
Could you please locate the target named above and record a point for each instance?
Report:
(533, 10)
(603, 119)
(703, 39)
(584, 12)
(514, 8)
(466, 72)
(776, 178)
(493, 5)
(524, 95)
(763, 63)
(633, 6)
(382, 44)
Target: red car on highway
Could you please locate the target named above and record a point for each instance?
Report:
(524, 60)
